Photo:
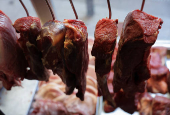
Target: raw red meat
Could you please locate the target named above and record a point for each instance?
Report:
(108, 108)
(29, 28)
(103, 47)
(128, 104)
(64, 48)
(139, 33)
(159, 74)
(76, 57)
(12, 59)
(50, 43)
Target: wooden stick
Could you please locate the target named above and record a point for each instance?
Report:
(24, 8)
(52, 13)
(142, 5)
(110, 11)
(72, 5)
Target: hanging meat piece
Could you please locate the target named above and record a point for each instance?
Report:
(128, 104)
(103, 47)
(12, 60)
(50, 42)
(76, 57)
(29, 28)
(64, 47)
(139, 33)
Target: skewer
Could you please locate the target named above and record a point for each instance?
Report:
(24, 7)
(110, 11)
(72, 5)
(142, 5)
(52, 13)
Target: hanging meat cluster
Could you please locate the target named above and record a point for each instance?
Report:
(144, 103)
(59, 46)
(135, 64)
(132, 65)
(155, 84)
(64, 47)
(130, 62)
(51, 98)
(103, 47)
(12, 60)
(29, 50)
(29, 29)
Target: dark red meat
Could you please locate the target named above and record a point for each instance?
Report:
(139, 33)
(128, 104)
(76, 56)
(64, 47)
(29, 28)
(50, 42)
(12, 59)
(108, 108)
(103, 47)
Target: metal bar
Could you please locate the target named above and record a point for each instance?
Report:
(90, 7)
(42, 10)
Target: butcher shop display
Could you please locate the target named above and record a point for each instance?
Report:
(29, 28)
(159, 73)
(105, 40)
(64, 47)
(129, 74)
(156, 84)
(75, 72)
(131, 68)
(12, 60)
(51, 98)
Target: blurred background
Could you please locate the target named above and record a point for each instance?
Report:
(90, 11)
